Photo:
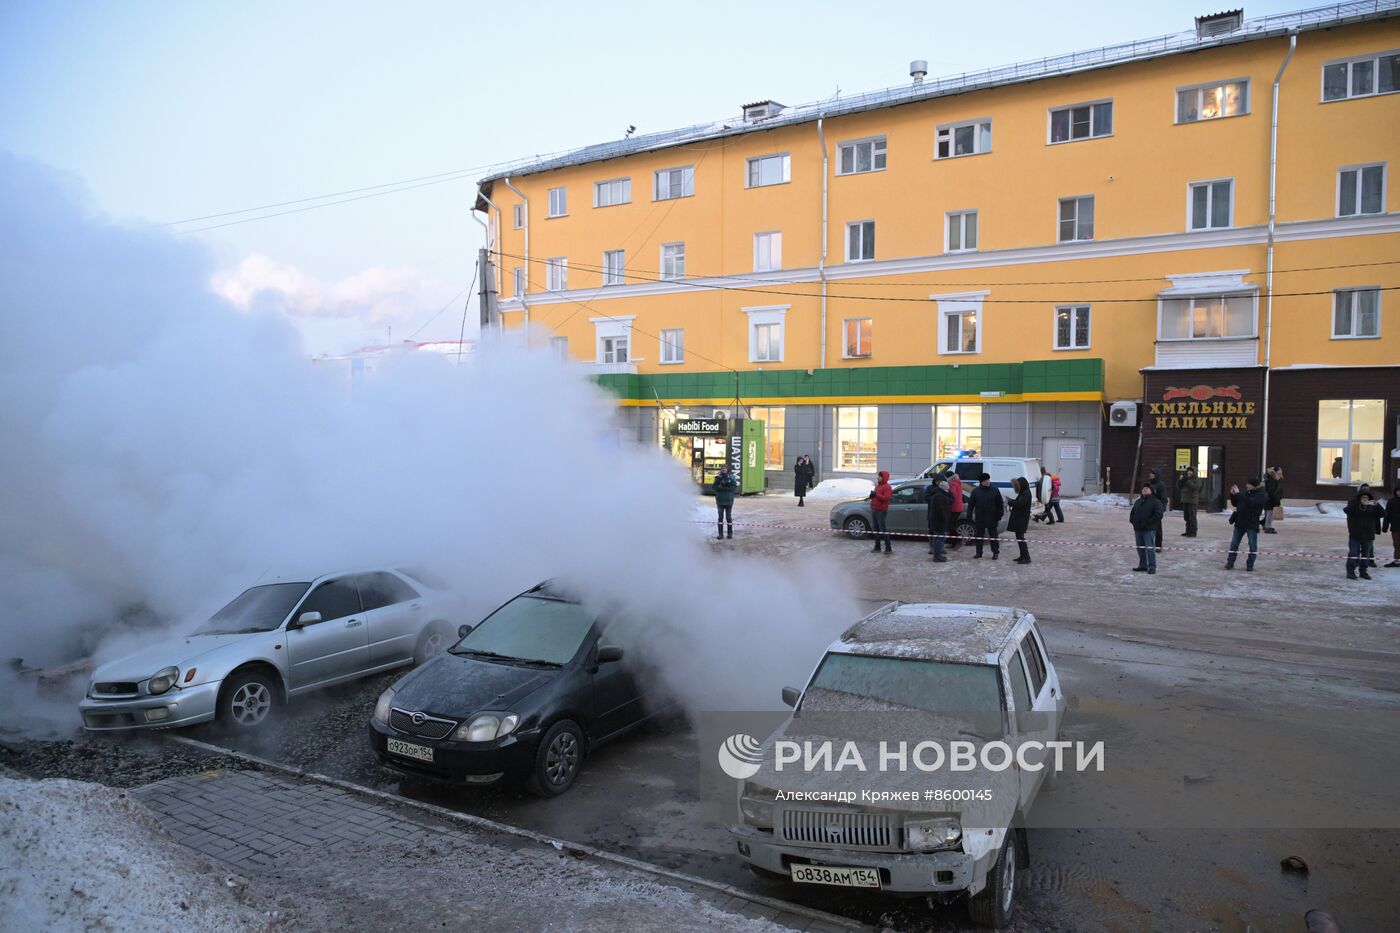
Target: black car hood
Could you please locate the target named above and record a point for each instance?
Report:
(458, 686)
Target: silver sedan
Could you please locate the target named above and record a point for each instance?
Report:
(908, 515)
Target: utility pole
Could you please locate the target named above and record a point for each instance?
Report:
(486, 296)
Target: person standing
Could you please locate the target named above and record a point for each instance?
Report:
(1273, 488)
(1362, 513)
(1188, 492)
(1249, 509)
(987, 507)
(955, 496)
(1390, 521)
(1159, 490)
(1020, 518)
(725, 486)
(804, 478)
(880, 510)
(1146, 518)
(940, 518)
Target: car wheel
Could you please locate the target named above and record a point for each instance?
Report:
(963, 533)
(557, 760)
(856, 527)
(247, 701)
(436, 639)
(996, 902)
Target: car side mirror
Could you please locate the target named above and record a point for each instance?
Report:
(308, 618)
(462, 630)
(791, 695)
(609, 653)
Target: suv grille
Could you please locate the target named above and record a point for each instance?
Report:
(848, 829)
(428, 727)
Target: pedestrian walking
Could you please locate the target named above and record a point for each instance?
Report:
(1188, 492)
(1362, 515)
(725, 486)
(1020, 518)
(804, 478)
(1249, 510)
(880, 510)
(1159, 491)
(1390, 521)
(987, 507)
(1146, 519)
(940, 518)
(1049, 489)
(1273, 488)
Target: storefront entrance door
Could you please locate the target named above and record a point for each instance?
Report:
(1209, 462)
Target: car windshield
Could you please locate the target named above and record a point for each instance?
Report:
(530, 628)
(260, 609)
(861, 683)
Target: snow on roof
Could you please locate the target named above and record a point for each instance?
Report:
(936, 631)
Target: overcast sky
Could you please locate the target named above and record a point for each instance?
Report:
(170, 110)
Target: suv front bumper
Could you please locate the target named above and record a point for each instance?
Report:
(179, 706)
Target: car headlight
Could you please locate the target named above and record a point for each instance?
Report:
(486, 726)
(926, 835)
(756, 806)
(381, 708)
(162, 680)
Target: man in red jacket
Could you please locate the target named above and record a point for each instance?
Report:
(880, 510)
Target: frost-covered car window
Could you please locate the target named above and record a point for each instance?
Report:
(260, 609)
(845, 680)
(530, 628)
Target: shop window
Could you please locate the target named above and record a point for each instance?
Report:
(957, 429)
(1212, 101)
(614, 260)
(1076, 219)
(673, 345)
(1072, 327)
(860, 156)
(1356, 312)
(769, 170)
(1211, 204)
(857, 338)
(857, 431)
(961, 234)
(972, 137)
(1350, 441)
(1361, 77)
(767, 252)
(1206, 318)
(774, 425)
(1081, 121)
(1361, 190)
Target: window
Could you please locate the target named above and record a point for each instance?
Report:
(1020, 688)
(957, 428)
(1034, 663)
(1206, 318)
(960, 331)
(381, 589)
(613, 349)
(673, 345)
(857, 429)
(857, 337)
(860, 156)
(958, 139)
(675, 183)
(1356, 312)
(1076, 219)
(860, 241)
(559, 346)
(962, 231)
(1210, 101)
(774, 423)
(1361, 77)
(766, 334)
(613, 263)
(1211, 204)
(558, 202)
(1072, 327)
(614, 191)
(557, 269)
(672, 260)
(1350, 435)
(767, 252)
(517, 215)
(518, 281)
(1081, 121)
(1361, 190)
(769, 170)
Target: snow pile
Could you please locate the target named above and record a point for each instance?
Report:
(847, 488)
(1103, 499)
(77, 856)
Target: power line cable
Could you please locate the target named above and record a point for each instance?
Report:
(439, 311)
(466, 306)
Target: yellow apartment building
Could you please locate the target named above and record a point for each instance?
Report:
(1179, 250)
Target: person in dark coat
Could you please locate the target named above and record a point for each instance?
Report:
(1188, 492)
(880, 510)
(725, 486)
(1159, 491)
(1390, 521)
(940, 518)
(1249, 511)
(1146, 518)
(1273, 488)
(987, 507)
(1362, 515)
(804, 478)
(1020, 518)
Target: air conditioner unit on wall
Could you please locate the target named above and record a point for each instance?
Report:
(719, 414)
(1123, 414)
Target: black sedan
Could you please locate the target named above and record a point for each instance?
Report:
(523, 695)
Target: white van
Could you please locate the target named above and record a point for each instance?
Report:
(1001, 469)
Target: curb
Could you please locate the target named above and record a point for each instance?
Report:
(563, 845)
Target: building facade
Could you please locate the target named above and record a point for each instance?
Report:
(1201, 226)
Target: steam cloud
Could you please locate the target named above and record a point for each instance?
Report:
(163, 451)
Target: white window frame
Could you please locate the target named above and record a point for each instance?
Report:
(1190, 338)
(557, 273)
(1199, 89)
(517, 215)
(948, 132)
(614, 267)
(1358, 168)
(687, 183)
(774, 242)
(1210, 203)
(1350, 293)
(852, 144)
(962, 231)
(762, 317)
(956, 305)
(1349, 61)
(1050, 122)
(1074, 314)
(846, 339)
(1345, 443)
(672, 340)
(678, 253)
(1059, 210)
(558, 202)
(608, 185)
(613, 328)
(863, 240)
(559, 346)
(751, 162)
(837, 431)
(517, 281)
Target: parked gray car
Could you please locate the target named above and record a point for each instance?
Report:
(272, 643)
(908, 514)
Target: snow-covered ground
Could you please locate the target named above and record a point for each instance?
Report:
(845, 488)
